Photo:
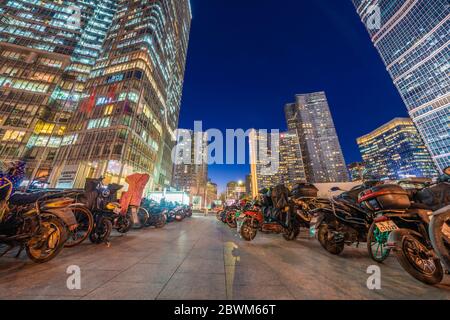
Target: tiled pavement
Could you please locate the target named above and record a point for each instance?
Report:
(200, 258)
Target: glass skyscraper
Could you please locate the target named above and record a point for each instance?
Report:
(413, 41)
(310, 117)
(47, 50)
(92, 87)
(396, 151)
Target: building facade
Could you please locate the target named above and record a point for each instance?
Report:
(356, 171)
(235, 190)
(290, 169)
(190, 172)
(108, 97)
(47, 52)
(413, 41)
(212, 193)
(396, 151)
(310, 117)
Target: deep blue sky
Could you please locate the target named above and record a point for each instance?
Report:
(248, 58)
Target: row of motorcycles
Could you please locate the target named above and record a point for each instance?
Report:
(408, 218)
(43, 222)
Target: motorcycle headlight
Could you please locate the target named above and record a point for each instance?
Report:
(112, 206)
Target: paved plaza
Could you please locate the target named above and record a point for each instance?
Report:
(201, 258)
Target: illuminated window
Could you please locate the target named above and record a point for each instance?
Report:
(13, 135)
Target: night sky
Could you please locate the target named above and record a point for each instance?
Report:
(248, 58)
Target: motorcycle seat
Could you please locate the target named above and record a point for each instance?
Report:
(20, 199)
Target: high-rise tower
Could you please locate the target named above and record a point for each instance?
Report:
(129, 111)
(412, 38)
(311, 119)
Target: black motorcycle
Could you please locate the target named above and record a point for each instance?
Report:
(342, 220)
(404, 217)
(103, 203)
(32, 222)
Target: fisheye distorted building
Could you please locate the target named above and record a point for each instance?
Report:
(92, 87)
(310, 117)
(412, 38)
(396, 151)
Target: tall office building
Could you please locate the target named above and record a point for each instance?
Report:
(311, 119)
(129, 111)
(47, 50)
(190, 173)
(290, 169)
(396, 151)
(413, 41)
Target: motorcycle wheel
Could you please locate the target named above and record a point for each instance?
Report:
(189, 213)
(223, 217)
(143, 217)
(377, 244)
(124, 224)
(101, 232)
(413, 257)
(291, 233)
(85, 226)
(161, 222)
(219, 215)
(248, 230)
(48, 243)
(231, 220)
(327, 242)
(439, 234)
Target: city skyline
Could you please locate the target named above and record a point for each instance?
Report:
(85, 71)
(326, 49)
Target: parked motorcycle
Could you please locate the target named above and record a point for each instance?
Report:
(32, 222)
(157, 214)
(342, 221)
(404, 218)
(102, 201)
(439, 230)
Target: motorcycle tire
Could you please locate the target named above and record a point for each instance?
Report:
(161, 222)
(189, 214)
(328, 244)
(101, 232)
(124, 224)
(410, 252)
(231, 220)
(85, 226)
(291, 233)
(223, 217)
(143, 217)
(248, 230)
(375, 238)
(440, 244)
(55, 233)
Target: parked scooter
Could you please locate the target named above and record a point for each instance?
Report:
(157, 214)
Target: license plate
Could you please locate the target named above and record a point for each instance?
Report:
(386, 226)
